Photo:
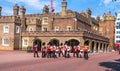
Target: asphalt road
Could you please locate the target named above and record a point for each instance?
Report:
(22, 61)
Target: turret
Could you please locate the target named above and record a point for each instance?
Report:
(64, 7)
(0, 10)
(22, 12)
(22, 17)
(45, 10)
(88, 12)
(16, 10)
(98, 18)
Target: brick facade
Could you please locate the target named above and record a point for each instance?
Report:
(107, 28)
(75, 28)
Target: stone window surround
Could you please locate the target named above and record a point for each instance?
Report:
(69, 28)
(45, 20)
(4, 28)
(5, 43)
(25, 42)
(17, 29)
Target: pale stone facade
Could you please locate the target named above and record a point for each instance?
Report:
(75, 28)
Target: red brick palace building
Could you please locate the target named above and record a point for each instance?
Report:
(107, 28)
(21, 31)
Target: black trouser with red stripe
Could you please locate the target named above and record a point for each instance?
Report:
(36, 53)
(76, 53)
(86, 55)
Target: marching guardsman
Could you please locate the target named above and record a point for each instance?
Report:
(53, 51)
(80, 50)
(48, 51)
(68, 51)
(85, 50)
(60, 49)
(65, 50)
(76, 51)
(35, 48)
(43, 51)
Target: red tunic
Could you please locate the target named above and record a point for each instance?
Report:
(85, 50)
(35, 48)
(43, 49)
(48, 49)
(75, 49)
(65, 48)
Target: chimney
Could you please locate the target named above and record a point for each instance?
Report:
(88, 12)
(22, 12)
(16, 10)
(64, 7)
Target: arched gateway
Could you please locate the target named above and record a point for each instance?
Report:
(54, 42)
(72, 43)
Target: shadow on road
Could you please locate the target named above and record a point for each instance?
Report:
(115, 66)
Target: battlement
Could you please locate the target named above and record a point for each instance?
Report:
(32, 15)
(7, 18)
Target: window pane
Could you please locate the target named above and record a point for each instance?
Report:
(25, 42)
(6, 29)
(17, 29)
(5, 42)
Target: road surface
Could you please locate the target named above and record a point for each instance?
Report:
(23, 61)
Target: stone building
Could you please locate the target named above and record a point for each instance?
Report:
(107, 28)
(21, 31)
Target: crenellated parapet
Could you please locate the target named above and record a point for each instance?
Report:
(33, 15)
(10, 19)
(108, 17)
(7, 19)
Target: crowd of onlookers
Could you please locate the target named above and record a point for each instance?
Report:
(52, 51)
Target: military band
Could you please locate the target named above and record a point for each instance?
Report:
(53, 51)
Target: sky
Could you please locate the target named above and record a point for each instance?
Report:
(98, 7)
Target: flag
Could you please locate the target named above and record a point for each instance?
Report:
(52, 10)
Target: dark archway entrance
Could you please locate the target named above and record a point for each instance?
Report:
(92, 47)
(86, 43)
(104, 48)
(72, 43)
(97, 44)
(54, 42)
(38, 42)
(101, 46)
